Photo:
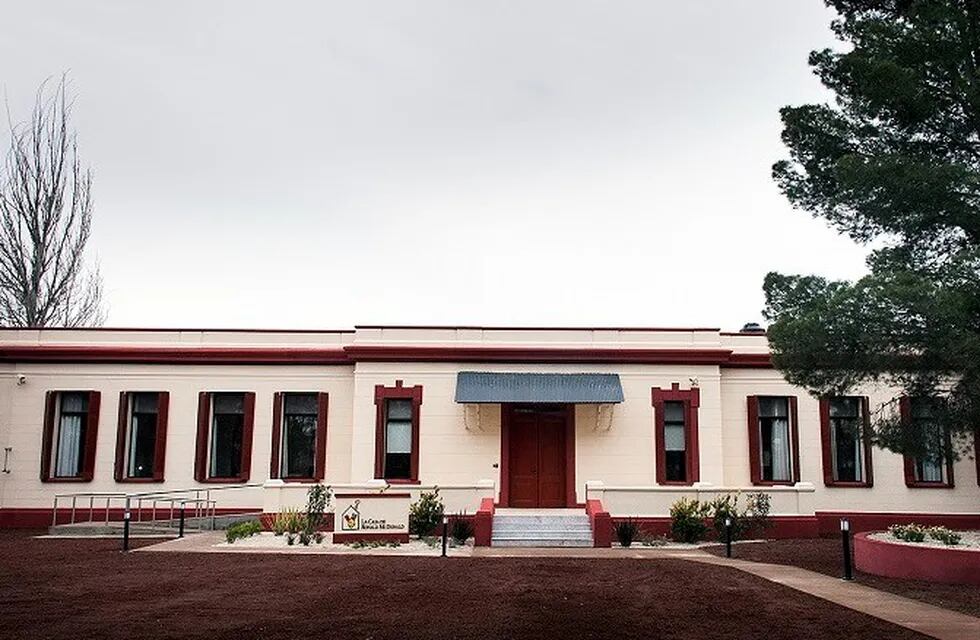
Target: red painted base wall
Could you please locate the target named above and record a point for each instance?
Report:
(933, 564)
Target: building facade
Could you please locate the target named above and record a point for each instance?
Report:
(626, 418)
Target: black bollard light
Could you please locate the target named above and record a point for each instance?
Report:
(180, 532)
(728, 537)
(126, 530)
(445, 530)
(845, 535)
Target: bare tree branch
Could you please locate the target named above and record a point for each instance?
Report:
(45, 222)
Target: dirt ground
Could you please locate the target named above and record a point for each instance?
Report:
(51, 588)
(824, 556)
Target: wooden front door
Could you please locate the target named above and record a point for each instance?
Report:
(537, 456)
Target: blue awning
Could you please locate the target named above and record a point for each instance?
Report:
(479, 387)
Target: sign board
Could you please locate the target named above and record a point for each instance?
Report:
(371, 516)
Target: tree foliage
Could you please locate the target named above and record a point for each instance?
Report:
(45, 223)
(894, 162)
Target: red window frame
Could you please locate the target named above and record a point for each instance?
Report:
(755, 448)
(827, 445)
(91, 436)
(399, 391)
(159, 447)
(691, 399)
(320, 442)
(204, 433)
(905, 410)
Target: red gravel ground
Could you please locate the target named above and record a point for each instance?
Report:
(824, 556)
(87, 589)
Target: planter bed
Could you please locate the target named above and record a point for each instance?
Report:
(271, 543)
(930, 560)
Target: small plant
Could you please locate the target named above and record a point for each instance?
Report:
(687, 520)
(318, 537)
(753, 519)
(290, 539)
(460, 529)
(757, 509)
(288, 520)
(654, 541)
(626, 531)
(373, 544)
(317, 500)
(425, 515)
(242, 530)
(944, 535)
(908, 532)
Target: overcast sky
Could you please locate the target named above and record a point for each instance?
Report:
(325, 164)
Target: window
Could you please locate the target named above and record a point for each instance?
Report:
(397, 432)
(141, 437)
(676, 434)
(299, 436)
(934, 469)
(773, 440)
(846, 446)
(71, 421)
(224, 436)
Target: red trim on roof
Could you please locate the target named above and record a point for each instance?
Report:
(500, 328)
(177, 329)
(133, 354)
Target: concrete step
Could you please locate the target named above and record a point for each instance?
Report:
(539, 542)
(543, 528)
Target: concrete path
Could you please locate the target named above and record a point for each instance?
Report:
(911, 614)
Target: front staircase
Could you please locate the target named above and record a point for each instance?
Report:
(541, 528)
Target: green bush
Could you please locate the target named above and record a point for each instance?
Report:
(752, 519)
(626, 531)
(242, 530)
(316, 504)
(288, 521)
(461, 529)
(944, 535)
(425, 515)
(908, 532)
(687, 520)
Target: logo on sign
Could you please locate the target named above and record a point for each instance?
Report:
(350, 519)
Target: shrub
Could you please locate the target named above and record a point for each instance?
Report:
(687, 520)
(288, 521)
(461, 529)
(242, 530)
(627, 531)
(908, 532)
(752, 519)
(944, 535)
(425, 514)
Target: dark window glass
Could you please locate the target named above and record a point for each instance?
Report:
(931, 467)
(70, 440)
(774, 439)
(227, 431)
(299, 413)
(675, 445)
(398, 439)
(142, 434)
(847, 445)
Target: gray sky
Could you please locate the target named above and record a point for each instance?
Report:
(321, 164)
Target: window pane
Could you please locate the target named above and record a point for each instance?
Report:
(777, 464)
(847, 445)
(398, 466)
(773, 407)
(142, 445)
(674, 412)
(144, 402)
(844, 407)
(228, 403)
(300, 403)
(226, 445)
(399, 409)
(676, 470)
(68, 462)
(398, 437)
(74, 402)
(674, 437)
(299, 439)
(929, 471)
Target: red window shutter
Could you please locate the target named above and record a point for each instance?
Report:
(905, 412)
(47, 437)
(320, 460)
(274, 463)
(826, 442)
(160, 447)
(693, 453)
(795, 431)
(247, 430)
(203, 426)
(659, 439)
(755, 463)
(121, 429)
(91, 435)
(869, 476)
